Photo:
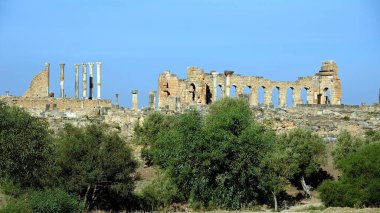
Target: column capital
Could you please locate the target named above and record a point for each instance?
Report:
(228, 72)
(84, 64)
(62, 65)
(98, 63)
(135, 91)
(91, 63)
(76, 65)
(214, 73)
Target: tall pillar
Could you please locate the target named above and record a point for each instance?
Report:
(62, 79)
(227, 87)
(98, 72)
(297, 96)
(91, 95)
(84, 81)
(47, 67)
(76, 81)
(253, 96)
(134, 100)
(267, 97)
(282, 97)
(117, 100)
(214, 85)
(152, 99)
(177, 104)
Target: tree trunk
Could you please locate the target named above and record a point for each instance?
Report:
(275, 201)
(305, 187)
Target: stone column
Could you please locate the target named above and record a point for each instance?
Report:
(47, 67)
(267, 97)
(253, 96)
(91, 95)
(84, 81)
(76, 81)
(152, 99)
(134, 100)
(98, 72)
(214, 85)
(117, 100)
(282, 97)
(227, 87)
(177, 104)
(297, 96)
(62, 79)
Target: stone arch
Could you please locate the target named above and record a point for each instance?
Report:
(209, 95)
(326, 96)
(233, 92)
(290, 97)
(220, 91)
(247, 90)
(275, 99)
(261, 95)
(304, 95)
(192, 92)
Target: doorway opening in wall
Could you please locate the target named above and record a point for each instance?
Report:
(275, 97)
(208, 95)
(233, 91)
(304, 95)
(289, 97)
(167, 93)
(220, 90)
(247, 94)
(192, 91)
(261, 94)
(327, 98)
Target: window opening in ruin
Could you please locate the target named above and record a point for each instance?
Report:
(327, 98)
(304, 95)
(289, 97)
(247, 93)
(192, 91)
(219, 92)
(275, 97)
(167, 93)
(208, 95)
(261, 93)
(233, 91)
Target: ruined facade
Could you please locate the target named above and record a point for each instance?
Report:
(201, 88)
(38, 96)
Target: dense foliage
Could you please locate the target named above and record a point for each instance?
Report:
(359, 184)
(95, 165)
(25, 148)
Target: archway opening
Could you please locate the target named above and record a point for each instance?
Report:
(275, 97)
(219, 92)
(260, 95)
(192, 91)
(247, 94)
(327, 98)
(233, 91)
(208, 95)
(304, 95)
(289, 97)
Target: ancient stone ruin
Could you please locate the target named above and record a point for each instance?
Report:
(201, 88)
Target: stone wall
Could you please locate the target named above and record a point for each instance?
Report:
(201, 88)
(39, 87)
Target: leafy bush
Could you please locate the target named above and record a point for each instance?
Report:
(46, 201)
(25, 148)
(344, 145)
(215, 160)
(96, 166)
(359, 184)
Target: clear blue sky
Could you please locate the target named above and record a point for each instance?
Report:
(137, 40)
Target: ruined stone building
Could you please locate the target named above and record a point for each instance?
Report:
(201, 88)
(39, 97)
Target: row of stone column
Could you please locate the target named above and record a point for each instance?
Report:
(152, 99)
(84, 80)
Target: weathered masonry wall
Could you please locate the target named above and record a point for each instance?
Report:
(39, 87)
(201, 88)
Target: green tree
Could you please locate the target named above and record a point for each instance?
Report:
(25, 148)
(147, 133)
(95, 165)
(215, 160)
(359, 184)
(307, 152)
(344, 145)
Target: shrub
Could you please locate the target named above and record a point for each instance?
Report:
(46, 201)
